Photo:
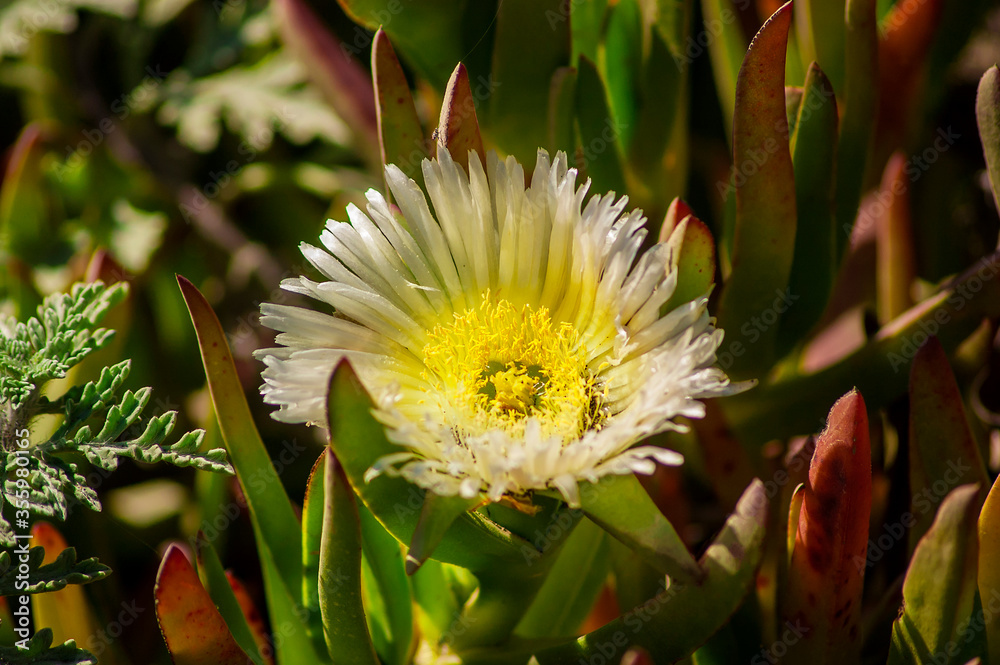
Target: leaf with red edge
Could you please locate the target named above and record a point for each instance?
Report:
(942, 451)
(253, 617)
(195, 632)
(693, 248)
(827, 565)
(401, 138)
(458, 128)
(764, 241)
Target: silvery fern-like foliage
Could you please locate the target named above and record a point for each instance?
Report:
(40, 651)
(43, 477)
(100, 423)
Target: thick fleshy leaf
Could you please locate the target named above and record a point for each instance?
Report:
(859, 99)
(436, 516)
(562, 100)
(346, 86)
(572, 586)
(275, 525)
(683, 616)
(586, 20)
(532, 41)
(601, 155)
(622, 64)
(942, 452)
(939, 592)
(384, 555)
(458, 127)
(620, 506)
(820, 27)
(344, 624)
(726, 51)
(429, 35)
(988, 119)
(658, 146)
(195, 632)
(401, 138)
(895, 267)
(359, 442)
(879, 369)
(989, 573)
(312, 534)
(213, 577)
(693, 244)
(826, 568)
(764, 241)
(66, 611)
(813, 146)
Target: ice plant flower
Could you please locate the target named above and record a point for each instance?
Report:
(511, 339)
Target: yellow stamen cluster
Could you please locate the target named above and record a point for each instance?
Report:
(496, 365)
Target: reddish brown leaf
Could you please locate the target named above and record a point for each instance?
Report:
(254, 619)
(458, 127)
(827, 565)
(195, 632)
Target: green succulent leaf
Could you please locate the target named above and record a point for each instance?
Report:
(764, 241)
(531, 42)
(276, 527)
(859, 99)
(681, 617)
(813, 144)
(344, 625)
(620, 506)
(942, 449)
(385, 559)
(939, 592)
(599, 137)
(988, 119)
(989, 573)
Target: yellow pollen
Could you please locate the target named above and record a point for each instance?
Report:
(496, 365)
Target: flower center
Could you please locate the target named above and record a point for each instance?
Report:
(498, 365)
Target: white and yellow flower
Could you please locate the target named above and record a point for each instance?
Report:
(511, 339)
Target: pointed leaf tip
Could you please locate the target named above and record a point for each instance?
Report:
(458, 127)
(827, 563)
